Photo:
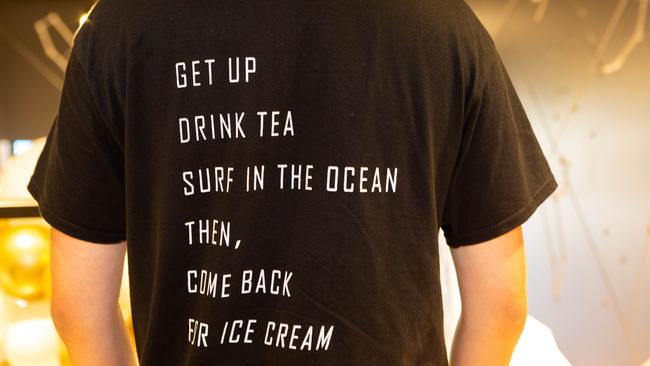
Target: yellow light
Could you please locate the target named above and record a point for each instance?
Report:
(83, 18)
(24, 262)
(21, 303)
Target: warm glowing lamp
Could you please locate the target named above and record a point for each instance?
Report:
(24, 262)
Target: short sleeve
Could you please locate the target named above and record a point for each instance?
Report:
(501, 174)
(78, 180)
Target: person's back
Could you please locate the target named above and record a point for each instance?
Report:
(280, 171)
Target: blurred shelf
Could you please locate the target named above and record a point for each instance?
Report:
(18, 208)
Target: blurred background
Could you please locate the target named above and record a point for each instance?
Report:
(582, 71)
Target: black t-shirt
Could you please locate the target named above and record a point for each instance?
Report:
(281, 169)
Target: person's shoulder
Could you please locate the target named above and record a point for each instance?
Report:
(452, 24)
(116, 12)
(109, 27)
(438, 13)
(110, 19)
(458, 26)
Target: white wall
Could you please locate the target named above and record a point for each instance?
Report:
(588, 246)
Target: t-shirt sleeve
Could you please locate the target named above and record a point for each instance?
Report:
(501, 174)
(78, 180)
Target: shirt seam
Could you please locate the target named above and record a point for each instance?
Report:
(68, 227)
(523, 213)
